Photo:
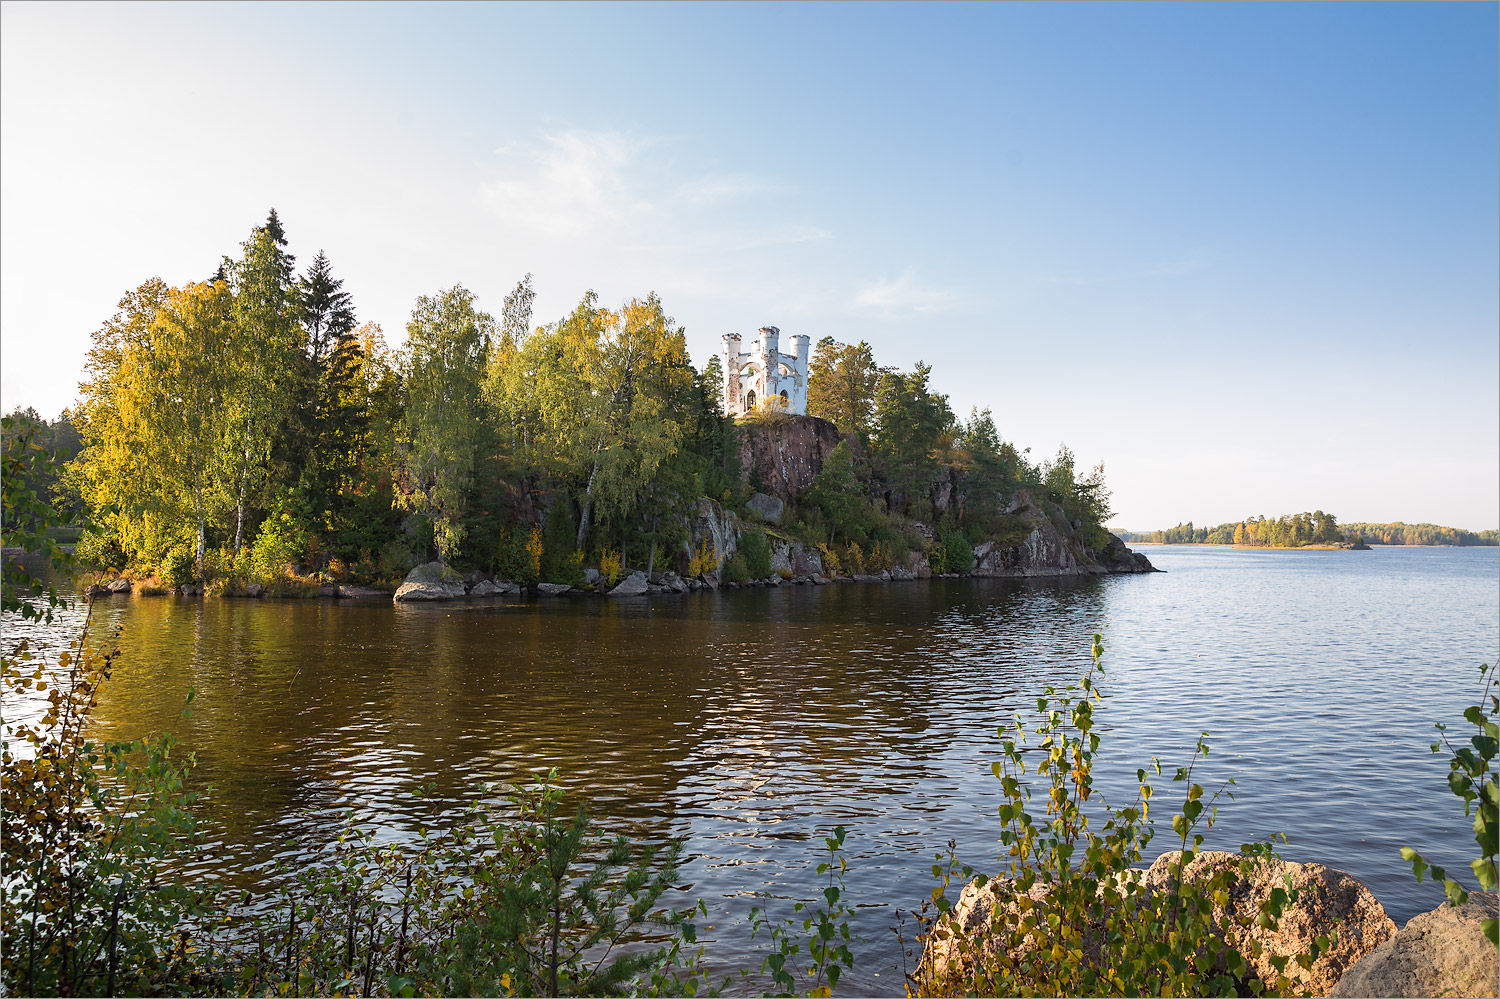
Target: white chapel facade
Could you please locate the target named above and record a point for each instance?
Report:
(763, 372)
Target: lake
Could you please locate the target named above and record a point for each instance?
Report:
(752, 722)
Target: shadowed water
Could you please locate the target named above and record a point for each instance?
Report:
(752, 722)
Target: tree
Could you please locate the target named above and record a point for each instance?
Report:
(836, 493)
(264, 352)
(910, 419)
(447, 341)
(841, 384)
(331, 420)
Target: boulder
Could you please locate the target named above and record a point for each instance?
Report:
(1327, 900)
(676, 585)
(767, 508)
(553, 589)
(818, 579)
(1439, 953)
(328, 590)
(350, 592)
(900, 573)
(592, 576)
(189, 590)
(486, 588)
(255, 590)
(121, 585)
(433, 581)
(632, 585)
(867, 578)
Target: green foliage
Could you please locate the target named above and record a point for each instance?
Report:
(756, 549)
(822, 932)
(837, 495)
(1472, 777)
(92, 835)
(278, 543)
(736, 570)
(1286, 531)
(1071, 917)
(910, 422)
(27, 516)
(1419, 534)
(448, 341)
(561, 562)
(952, 553)
(841, 383)
(178, 564)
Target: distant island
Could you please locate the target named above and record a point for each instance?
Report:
(1310, 530)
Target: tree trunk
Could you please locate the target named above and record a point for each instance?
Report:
(651, 558)
(586, 514)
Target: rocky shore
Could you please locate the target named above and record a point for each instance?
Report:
(1443, 952)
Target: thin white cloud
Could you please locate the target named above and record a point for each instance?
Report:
(902, 296)
(570, 183)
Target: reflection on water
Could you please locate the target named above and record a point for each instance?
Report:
(752, 722)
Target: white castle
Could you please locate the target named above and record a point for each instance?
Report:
(756, 375)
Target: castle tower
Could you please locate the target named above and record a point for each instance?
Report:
(731, 361)
(799, 385)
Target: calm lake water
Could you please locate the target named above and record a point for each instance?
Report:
(750, 723)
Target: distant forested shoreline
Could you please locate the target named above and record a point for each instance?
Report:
(1303, 530)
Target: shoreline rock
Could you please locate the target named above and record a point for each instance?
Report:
(1328, 899)
(1442, 952)
(433, 581)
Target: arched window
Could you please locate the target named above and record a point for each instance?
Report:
(750, 400)
(785, 402)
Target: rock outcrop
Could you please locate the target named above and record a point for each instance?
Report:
(1328, 900)
(553, 589)
(1045, 549)
(632, 585)
(433, 581)
(784, 456)
(767, 508)
(1439, 953)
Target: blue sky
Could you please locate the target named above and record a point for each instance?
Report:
(1245, 255)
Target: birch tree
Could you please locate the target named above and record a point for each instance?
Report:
(447, 343)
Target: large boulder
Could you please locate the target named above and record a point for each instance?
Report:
(767, 508)
(1328, 900)
(553, 589)
(433, 581)
(486, 588)
(121, 585)
(1439, 953)
(632, 585)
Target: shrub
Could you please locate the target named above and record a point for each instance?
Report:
(560, 562)
(611, 567)
(1472, 778)
(854, 560)
(279, 543)
(957, 552)
(831, 564)
(735, 570)
(100, 548)
(879, 559)
(756, 548)
(703, 561)
(1071, 917)
(178, 564)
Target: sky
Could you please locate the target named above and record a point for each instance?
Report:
(1244, 255)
